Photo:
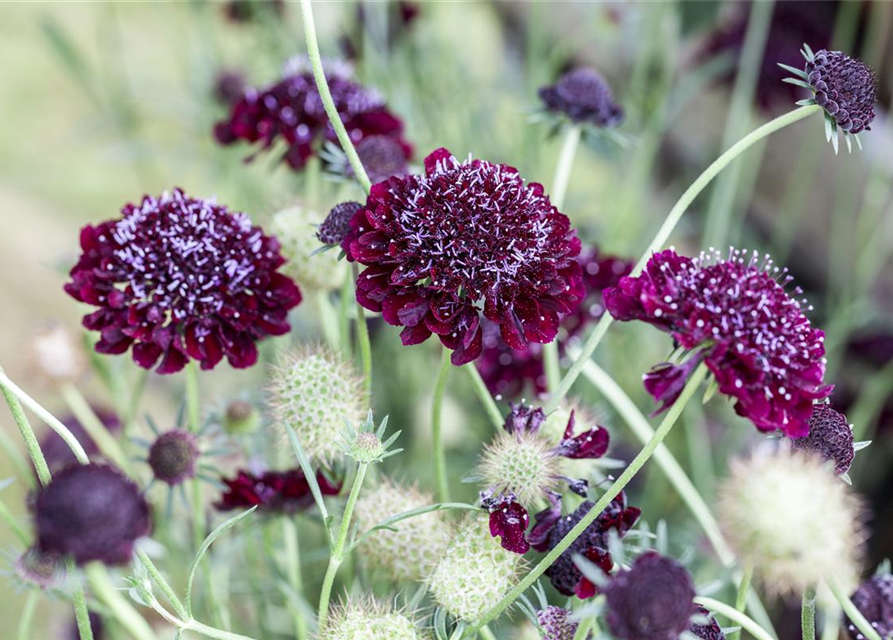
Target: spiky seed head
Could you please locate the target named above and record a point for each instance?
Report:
(787, 515)
(370, 620)
(295, 228)
(240, 417)
(474, 572)
(523, 463)
(55, 353)
(408, 553)
(314, 391)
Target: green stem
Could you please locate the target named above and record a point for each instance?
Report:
(293, 570)
(328, 103)
(807, 614)
(328, 319)
(81, 615)
(667, 227)
(17, 459)
(102, 587)
(212, 632)
(735, 616)
(343, 313)
(27, 616)
(163, 584)
(831, 617)
(84, 413)
(365, 345)
(741, 596)
(613, 491)
(852, 612)
(13, 524)
(337, 556)
(480, 388)
(486, 634)
(440, 476)
(193, 416)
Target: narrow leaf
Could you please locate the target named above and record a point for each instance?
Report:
(800, 73)
(309, 474)
(799, 83)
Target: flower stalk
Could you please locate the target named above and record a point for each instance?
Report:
(807, 614)
(483, 393)
(852, 612)
(440, 475)
(736, 617)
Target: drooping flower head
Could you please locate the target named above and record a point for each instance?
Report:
(790, 517)
(178, 277)
(583, 95)
(91, 512)
(57, 452)
(291, 110)
(463, 238)
(556, 624)
(830, 437)
(274, 492)
(652, 600)
(407, 553)
(370, 620)
(551, 527)
(314, 390)
(173, 456)
(293, 227)
(737, 317)
(874, 600)
(844, 87)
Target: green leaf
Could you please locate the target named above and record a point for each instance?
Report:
(216, 533)
(835, 142)
(310, 475)
(807, 51)
(806, 102)
(800, 73)
(799, 83)
(712, 388)
(388, 523)
(828, 127)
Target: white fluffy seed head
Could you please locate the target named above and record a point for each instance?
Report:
(407, 554)
(788, 516)
(474, 572)
(370, 620)
(294, 228)
(522, 463)
(314, 390)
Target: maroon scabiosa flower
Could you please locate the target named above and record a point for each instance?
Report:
(173, 456)
(178, 277)
(874, 600)
(336, 226)
(273, 491)
(382, 157)
(292, 110)
(465, 234)
(583, 95)
(830, 436)
(556, 624)
(57, 452)
(653, 600)
(844, 87)
(91, 512)
(708, 628)
(737, 317)
(551, 527)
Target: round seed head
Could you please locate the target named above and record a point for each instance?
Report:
(173, 455)
(370, 620)
(240, 417)
(294, 228)
(523, 463)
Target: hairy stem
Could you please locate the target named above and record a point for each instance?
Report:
(483, 393)
(162, 583)
(27, 616)
(807, 614)
(81, 615)
(736, 617)
(440, 475)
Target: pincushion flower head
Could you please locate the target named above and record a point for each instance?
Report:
(464, 238)
(874, 600)
(291, 110)
(830, 437)
(312, 269)
(91, 512)
(370, 620)
(583, 95)
(735, 316)
(556, 624)
(652, 600)
(179, 278)
(786, 514)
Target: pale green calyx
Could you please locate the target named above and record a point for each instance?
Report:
(367, 445)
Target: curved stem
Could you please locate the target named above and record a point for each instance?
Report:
(443, 488)
(363, 339)
(852, 612)
(669, 224)
(483, 393)
(326, 96)
(807, 614)
(84, 413)
(741, 596)
(735, 616)
(638, 462)
(81, 615)
(212, 632)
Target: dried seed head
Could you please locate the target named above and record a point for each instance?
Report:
(294, 228)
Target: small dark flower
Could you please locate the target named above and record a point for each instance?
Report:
(273, 491)
(250, 10)
(229, 87)
(735, 314)
(178, 278)
(96, 627)
(173, 456)
(551, 527)
(708, 630)
(382, 157)
(91, 512)
(465, 238)
(523, 418)
(653, 600)
(337, 223)
(57, 452)
(592, 443)
(292, 110)
(874, 600)
(845, 88)
(508, 521)
(583, 95)
(830, 436)
(556, 624)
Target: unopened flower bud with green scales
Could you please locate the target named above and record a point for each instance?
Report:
(240, 417)
(314, 391)
(408, 552)
(790, 518)
(368, 445)
(295, 228)
(370, 620)
(474, 572)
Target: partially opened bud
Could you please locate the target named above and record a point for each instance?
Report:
(240, 417)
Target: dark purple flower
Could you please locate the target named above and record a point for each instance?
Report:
(556, 624)
(583, 95)
(337, 223)
(292, 110)
(708, 630)
(751, 333)
(830, 436)
(508, 521)
(592, 443)
(173, 456)
(91, 512)
(57, 452)
(653, 600)
(874, 600)
(251, 10)
(273, 491)
(523, 418)
(229, 87)
(465, 238)
(382, 157)
(551, 527)
(178, 278)
(666, 380)
(845, 88)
